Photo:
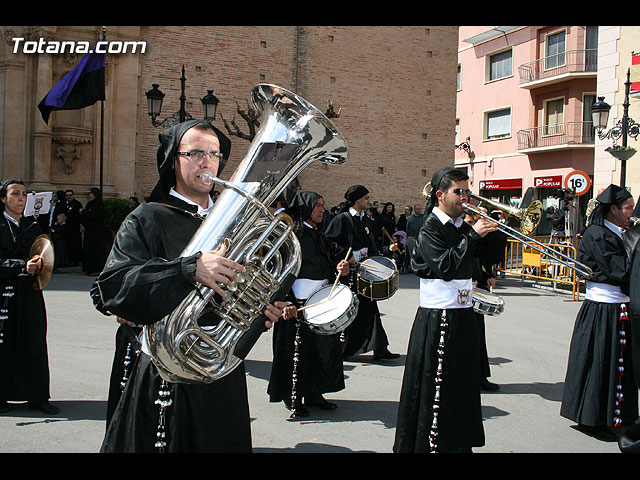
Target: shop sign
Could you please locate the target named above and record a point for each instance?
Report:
(505, 184)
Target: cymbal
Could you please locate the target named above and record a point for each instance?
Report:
(42, 246)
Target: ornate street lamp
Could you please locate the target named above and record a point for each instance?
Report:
(625, 127)
(155, 98)
(209, 105)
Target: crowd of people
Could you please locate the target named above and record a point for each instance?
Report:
(76, 231)
(450, 250)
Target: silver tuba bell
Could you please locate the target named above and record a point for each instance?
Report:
(207, 336)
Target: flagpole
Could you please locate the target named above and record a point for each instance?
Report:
(101, 141)
(104, 35)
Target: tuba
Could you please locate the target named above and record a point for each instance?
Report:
(207, 336)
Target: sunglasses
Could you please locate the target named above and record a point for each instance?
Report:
(461, 191)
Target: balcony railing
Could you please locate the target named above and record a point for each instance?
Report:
(573, 61)
(559, 134)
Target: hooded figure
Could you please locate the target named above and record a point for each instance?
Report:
(169, 142)
(596, 396)
(319, 367)
(145, 279)
(612, 195)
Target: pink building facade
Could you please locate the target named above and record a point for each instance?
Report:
(524, 111)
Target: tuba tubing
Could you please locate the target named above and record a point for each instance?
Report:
(206, 337)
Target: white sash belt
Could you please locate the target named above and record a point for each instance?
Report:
(437, 293)
(605, 293)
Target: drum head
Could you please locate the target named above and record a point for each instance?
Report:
(377, 269)
(323, 310)
(487, 303)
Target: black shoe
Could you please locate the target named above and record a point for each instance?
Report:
(45, 407)
(487, 386)
(385, 355)
(601, 432)
(4, 407)
(323, 404)
(300, 411)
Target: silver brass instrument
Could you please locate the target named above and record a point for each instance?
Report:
(526, 223)
(292, 135)
(529, 219)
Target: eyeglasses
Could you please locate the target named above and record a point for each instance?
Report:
(461, 191)
(198, 155)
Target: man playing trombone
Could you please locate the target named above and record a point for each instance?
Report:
(440, 408)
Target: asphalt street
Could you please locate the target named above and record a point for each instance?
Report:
(527, 344)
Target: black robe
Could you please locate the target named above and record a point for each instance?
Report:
(319, 368)
(366, 332)
(24, 359)
(444, 252)
(72, 210)
(590, 388)
(489, 251)
(94, 246)
(144, 280)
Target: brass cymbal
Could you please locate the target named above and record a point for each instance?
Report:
(43, 247)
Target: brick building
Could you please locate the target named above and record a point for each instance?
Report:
(394, 86)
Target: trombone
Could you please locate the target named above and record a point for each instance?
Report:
(529, 219)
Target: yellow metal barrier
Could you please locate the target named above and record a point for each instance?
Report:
(528, 262)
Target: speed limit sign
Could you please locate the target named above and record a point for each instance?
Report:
(578, 182)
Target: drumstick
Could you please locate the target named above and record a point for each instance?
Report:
(338, 276)
(390, 237)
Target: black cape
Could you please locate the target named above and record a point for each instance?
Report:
(24, 360)
(144, 279)
(444, 252)
(366, 333)
(94, 246)
(589, 396)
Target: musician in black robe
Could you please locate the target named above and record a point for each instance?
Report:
(353, 228)
(24, 358)
(440, 408)
(145, 279)
(598, 395)
(318, 368)
(489, 251)
(629, 442)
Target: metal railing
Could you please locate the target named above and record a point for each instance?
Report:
(573, 61)
(576, 133)
(529, 263)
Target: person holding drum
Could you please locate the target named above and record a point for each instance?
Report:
(489, 252)
(352, 230)
(307, 355)
(440, 408)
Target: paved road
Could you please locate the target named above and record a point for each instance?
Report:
(527, 345)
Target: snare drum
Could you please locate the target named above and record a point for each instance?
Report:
(377, 278)
(487, 303)
(327, 316)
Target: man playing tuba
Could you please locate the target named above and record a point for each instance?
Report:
(145, 279)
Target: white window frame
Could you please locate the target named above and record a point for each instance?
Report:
(556, 128)
(548, 55)
(486, 115)
(489, 57)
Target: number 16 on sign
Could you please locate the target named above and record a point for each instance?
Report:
(578, 182)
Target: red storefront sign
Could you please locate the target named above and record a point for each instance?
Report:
(505, 184)
(552, 181)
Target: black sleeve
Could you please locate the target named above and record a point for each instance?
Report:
(442, 251)
(139, 284)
